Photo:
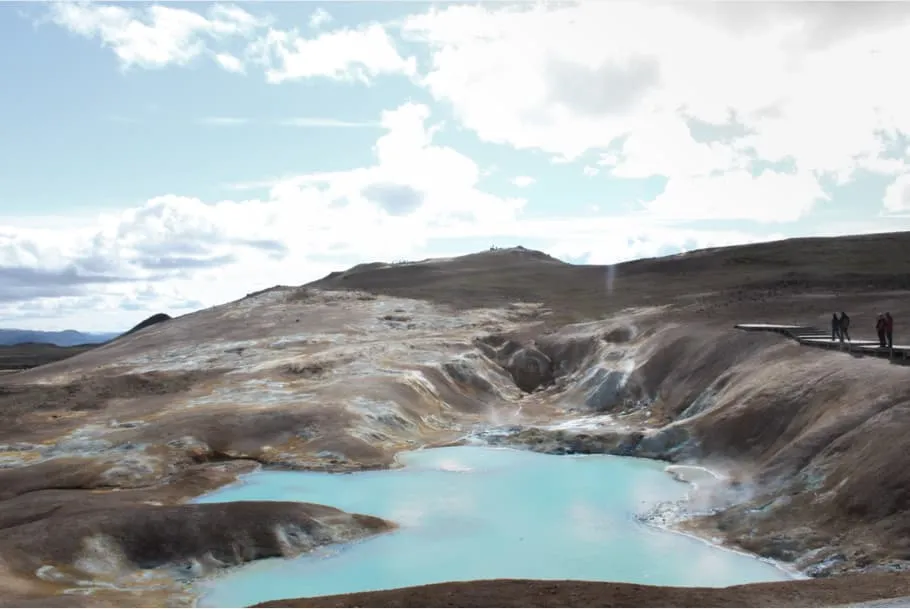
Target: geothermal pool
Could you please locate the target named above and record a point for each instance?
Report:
(485, 513)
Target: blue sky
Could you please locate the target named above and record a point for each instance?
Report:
(169, 156)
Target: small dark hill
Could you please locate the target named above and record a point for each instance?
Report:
(157, 318)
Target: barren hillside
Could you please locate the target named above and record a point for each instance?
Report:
(344, 372)
(728, 282)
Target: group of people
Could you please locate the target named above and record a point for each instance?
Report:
(840, 327)
(884, 327)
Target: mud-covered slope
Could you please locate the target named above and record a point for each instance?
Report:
(809, 439)
(475, 348)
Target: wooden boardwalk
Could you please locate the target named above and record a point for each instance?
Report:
(812, 336)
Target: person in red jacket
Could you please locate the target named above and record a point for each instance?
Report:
(889, 330)
(880, 329)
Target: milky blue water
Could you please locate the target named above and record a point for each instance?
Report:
(484, 513)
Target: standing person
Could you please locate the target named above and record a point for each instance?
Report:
(880, 329)
(889, 330)
(844, 327)
(835, 328)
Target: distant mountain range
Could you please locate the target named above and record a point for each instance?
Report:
(64, 338)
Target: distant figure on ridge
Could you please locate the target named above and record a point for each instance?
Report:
(880, 330)
(835, 327)
(889, 330)
(844, 327)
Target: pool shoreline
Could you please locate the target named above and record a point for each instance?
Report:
(678, 472)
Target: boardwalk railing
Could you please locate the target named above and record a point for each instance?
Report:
(812, 336)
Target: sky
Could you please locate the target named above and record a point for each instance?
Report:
(164, 157)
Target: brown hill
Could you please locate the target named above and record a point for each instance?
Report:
(730, 281)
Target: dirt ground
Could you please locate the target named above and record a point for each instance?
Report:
(335, 376)
(535, 593)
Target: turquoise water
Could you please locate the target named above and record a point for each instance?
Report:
(484, 513)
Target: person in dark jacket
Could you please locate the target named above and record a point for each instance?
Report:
(844, 327)
(889, 330)
(835, 328)
(880, 330)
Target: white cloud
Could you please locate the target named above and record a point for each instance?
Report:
(320, 17)
(523, 181)
(630, 243)
(559, 79)
(230, 63)
(664, 146)
(230, 20)
(407, 158)
(626, 78)
(897, 195)
(345, 54)
(738, 195)
(157, 36)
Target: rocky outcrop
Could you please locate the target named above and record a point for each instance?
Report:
(189, 537)
(564, 441)
(118, 552)
(670, 443)
(604, 389)
(530, 368)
